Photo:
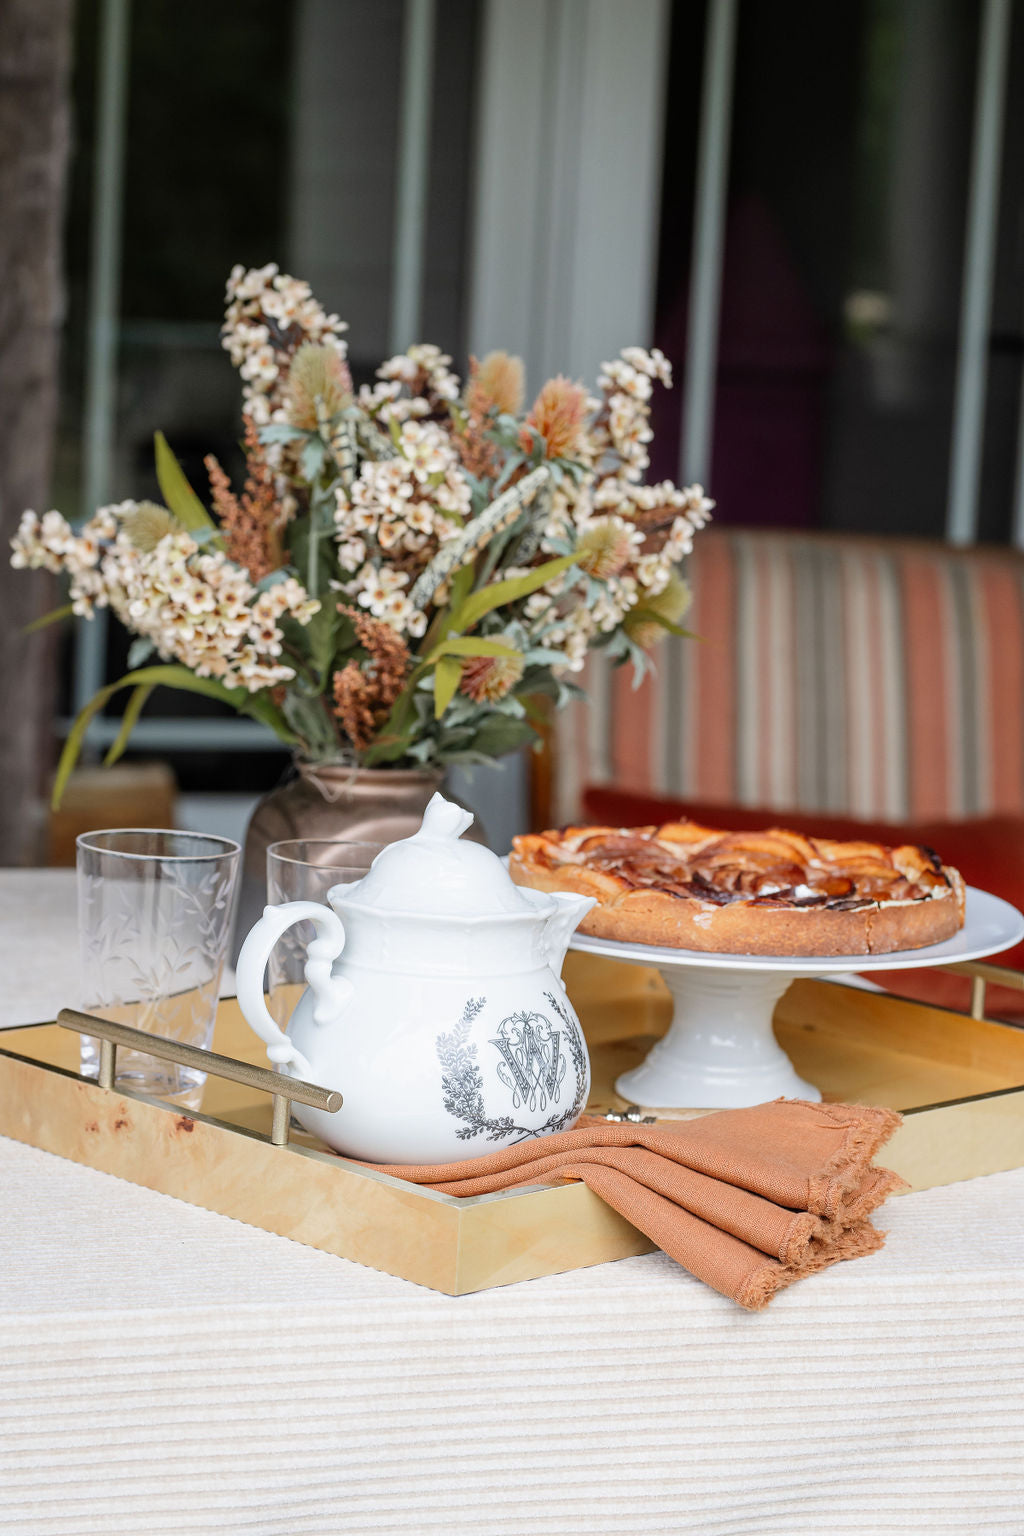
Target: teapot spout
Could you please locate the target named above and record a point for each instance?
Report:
(562, 924)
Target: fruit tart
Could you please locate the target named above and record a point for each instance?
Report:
(746, 893)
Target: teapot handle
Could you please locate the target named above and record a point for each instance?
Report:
(330, 993)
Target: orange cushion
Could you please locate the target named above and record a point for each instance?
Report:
(988, 851)
(832, 640)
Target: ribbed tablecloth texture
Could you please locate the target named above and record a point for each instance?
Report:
(164, 1369)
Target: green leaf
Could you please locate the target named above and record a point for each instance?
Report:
(511, 590)
(461, 585)
(257, 706)
(178, 495)
(470, 645)
(509, 468)
(498, 549)
(499, 734)
(73, 744)
(642, 664)
(53, 617)
(541, 656)
(280, 432)
(439, 625)
(311, 461)
(132, 710)
(168, 676)
(535, 709)
(309, 720)
(321, 633)
(397, 731)
(140, 650)
(387, 749)
(641, 615)
(446, 680)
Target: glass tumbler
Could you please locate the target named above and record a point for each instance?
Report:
(305, 869)
(154, 918)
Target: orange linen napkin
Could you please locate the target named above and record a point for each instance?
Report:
(748, 1200)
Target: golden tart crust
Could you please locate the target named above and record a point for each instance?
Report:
(746, 893)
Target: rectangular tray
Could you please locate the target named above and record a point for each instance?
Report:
(958, 1080)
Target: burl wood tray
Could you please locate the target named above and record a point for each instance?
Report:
(959, 1082)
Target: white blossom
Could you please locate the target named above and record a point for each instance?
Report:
(195, 605)
(268, 315)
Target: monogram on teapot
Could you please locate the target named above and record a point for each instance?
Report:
(434, 1003)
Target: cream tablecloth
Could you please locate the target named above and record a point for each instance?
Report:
(163, 1369)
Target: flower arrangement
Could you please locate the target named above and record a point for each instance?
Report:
(408, 566)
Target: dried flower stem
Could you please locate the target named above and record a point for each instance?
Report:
(364, 693)
(250, 523)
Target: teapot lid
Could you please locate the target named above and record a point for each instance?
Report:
(435, 873)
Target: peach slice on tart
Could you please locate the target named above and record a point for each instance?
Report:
(771, 892)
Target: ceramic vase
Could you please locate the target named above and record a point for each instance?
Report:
(332, 800)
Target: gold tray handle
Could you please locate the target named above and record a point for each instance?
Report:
(283, 1090)
(981, 973)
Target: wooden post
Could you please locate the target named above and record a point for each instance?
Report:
(35, 47)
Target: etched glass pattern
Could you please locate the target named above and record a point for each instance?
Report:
(154, 918)
(305, 869)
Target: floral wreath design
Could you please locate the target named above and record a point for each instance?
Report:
(532, 1068)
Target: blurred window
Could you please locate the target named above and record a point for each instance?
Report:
(858, 260)
(841, 378)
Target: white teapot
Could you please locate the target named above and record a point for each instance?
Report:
(434, 1003)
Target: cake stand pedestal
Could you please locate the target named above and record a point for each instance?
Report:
(720, 1051)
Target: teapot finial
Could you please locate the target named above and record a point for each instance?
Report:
(436, 872)
(443, 819)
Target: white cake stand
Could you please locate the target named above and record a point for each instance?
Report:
(720, 1051)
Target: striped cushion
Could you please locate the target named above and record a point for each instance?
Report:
(881, 679)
